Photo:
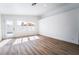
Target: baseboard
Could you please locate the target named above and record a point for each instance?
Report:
(58, 39)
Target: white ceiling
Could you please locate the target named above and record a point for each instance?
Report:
(28, 9)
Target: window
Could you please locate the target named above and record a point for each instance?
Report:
(19, 23)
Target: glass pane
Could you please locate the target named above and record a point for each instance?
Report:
(8, 22)
(19, 23)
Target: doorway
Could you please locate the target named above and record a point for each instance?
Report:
(14, 28)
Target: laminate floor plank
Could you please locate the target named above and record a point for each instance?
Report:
(37, 45)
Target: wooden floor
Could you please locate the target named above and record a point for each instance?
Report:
(37, 45)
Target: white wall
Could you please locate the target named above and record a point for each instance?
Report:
(19, 30)
(62, 26)
(78, 24)
(0, 29)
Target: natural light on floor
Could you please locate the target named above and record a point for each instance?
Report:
(25, 39)
(3, 43)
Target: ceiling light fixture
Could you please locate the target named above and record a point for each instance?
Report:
(33, 4)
